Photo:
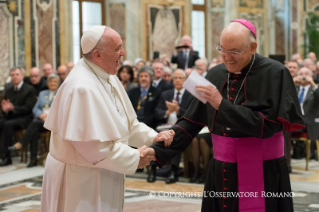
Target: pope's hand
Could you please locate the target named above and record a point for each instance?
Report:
(146, 156)
(166, 136)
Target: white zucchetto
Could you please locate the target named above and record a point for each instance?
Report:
(91, 37)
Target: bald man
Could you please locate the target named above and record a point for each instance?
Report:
(36, 80)
(312, 56)
(253, 102)
(63, 72)
(185, 56)
(70, 65)
(92, 124)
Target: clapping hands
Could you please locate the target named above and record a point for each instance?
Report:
(166, 136)
(146, 156)
(6, 106)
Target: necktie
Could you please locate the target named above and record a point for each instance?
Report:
(15, 88)
(301, 95)
(186, 59)
(143, 94)
(177, 97)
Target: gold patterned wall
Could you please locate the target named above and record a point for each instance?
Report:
(32, 33)
(255, 12)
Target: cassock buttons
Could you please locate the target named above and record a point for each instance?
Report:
(225, 179)
(225, 134)
(235, 80)
(231, 98)
(233, 89)
(225, 206)
(225, 188)
(225, 170)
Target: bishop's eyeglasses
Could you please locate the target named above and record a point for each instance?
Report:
(233, 53)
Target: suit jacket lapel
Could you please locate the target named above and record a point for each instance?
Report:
(308, 95)
(171, 96)
(185, 97)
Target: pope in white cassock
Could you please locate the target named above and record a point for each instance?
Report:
(92, 122)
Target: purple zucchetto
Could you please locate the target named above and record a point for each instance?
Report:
(247, 24)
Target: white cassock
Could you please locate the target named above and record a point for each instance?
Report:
(85, 111)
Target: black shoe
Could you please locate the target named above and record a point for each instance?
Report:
(6, 161)
(32, 163)
(140, 170)
(152, 176)
(172, 177)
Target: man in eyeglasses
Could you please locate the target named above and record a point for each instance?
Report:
(253, 103)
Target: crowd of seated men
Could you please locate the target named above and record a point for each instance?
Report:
(305, 74)
(158, 98)
(24, 106)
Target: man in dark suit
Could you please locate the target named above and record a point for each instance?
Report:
(144, 98)
(185, 56)
(17, 111)
(159, 83)
(172, 105)
(35, 79)
(308, 94)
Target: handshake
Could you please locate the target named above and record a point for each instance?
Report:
(148, 154)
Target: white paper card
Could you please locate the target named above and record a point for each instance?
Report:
(196, 79)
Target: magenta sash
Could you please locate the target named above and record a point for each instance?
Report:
(249, 154)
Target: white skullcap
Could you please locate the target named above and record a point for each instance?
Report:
(91, 37)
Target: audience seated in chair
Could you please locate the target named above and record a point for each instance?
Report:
(40, 111)
(308, 94)
(17, 111)
(126, 76)
(173, 104)
(35, 79)
(159, 83)
(144, 98)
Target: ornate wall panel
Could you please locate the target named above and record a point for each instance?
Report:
(6, 44)
(164, 24)
(118, 19)
(45, 31)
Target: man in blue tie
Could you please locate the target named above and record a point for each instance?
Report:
(308, 95)
(145, 97)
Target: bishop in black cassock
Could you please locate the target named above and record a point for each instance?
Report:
(254, 101)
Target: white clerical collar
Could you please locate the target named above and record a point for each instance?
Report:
(100, 72)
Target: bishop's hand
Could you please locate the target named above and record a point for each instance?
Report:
(146, 156)
(167, 136)
(211, 94)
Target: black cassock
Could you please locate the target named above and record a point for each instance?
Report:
(266, 104)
